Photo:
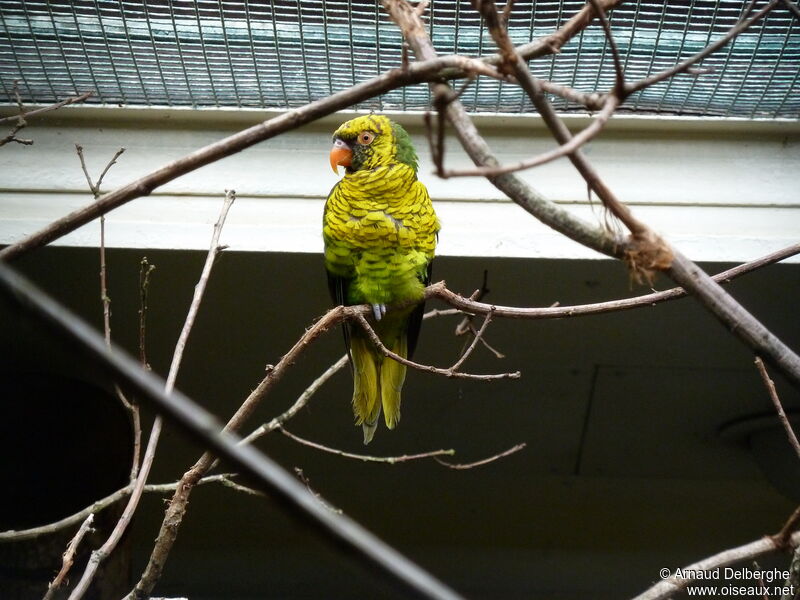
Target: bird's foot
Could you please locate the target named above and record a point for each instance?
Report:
(378, 310)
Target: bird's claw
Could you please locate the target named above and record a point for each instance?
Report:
(378, 310)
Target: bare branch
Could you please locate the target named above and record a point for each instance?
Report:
(302, 477)
(364, 457)
(199, 290)
(610, 105)
(110, 164)
(478, 337)
(34, 532)
(105, 299)
(154, 488)
(773, 394)
(428, 368)
(20, 124)
(439, 290)
(69, 557)
(484, 461)
(145, 270)
(301, 401)
(619, 85)
(711, 48)
(592, 100)
(551, 44)
(56, 106)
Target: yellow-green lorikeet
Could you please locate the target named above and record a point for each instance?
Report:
(380, 234)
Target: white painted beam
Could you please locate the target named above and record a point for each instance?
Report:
(719, 190)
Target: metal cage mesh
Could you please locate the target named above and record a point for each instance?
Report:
(283, 54)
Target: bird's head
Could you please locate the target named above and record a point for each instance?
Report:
(371, 141)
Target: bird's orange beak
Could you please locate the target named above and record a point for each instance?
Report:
(341, 154)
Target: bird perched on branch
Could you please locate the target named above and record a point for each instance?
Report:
(380, 233)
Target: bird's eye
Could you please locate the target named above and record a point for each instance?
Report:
(365, 138)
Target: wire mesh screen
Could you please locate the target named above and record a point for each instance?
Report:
(285, 53)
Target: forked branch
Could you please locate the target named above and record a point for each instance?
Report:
(450, 372)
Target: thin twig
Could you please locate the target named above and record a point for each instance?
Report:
(364, 457)
(151, 488)
(110, 164)
(145, 270)
(21, 123)
(165, 488)
(69, 557)
(773, 394)
(404, 62)
(427, 368)
(302, 477)
(34, 532)
(486, 344)
(711, 48)
(591, 131)
(552, 43)
(478, 337)
(434, 149)
(464, 326)
(301, 401)
(484, 461)
(199, 290)
(56, 106)
(442, 312)
(619, 84)
(105, 299)
(592, 100)
(507, 11)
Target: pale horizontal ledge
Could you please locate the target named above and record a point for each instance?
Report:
(102, 114)
(469, 228)
(669, 161)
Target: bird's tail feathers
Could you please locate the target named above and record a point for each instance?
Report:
(392, 375)
(366, 391)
